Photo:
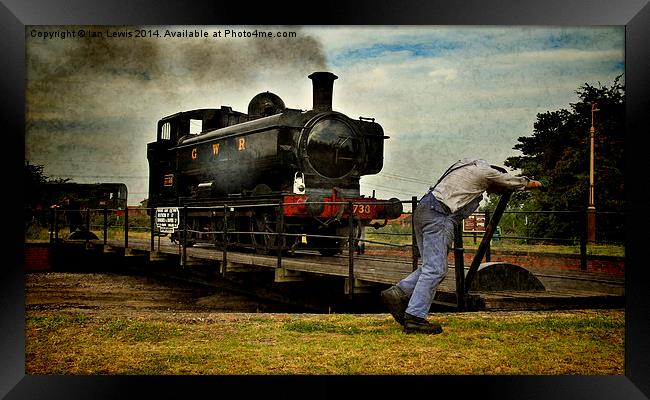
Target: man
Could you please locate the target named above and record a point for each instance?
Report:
(454, 197)
(72, 213)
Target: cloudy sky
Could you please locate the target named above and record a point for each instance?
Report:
(440, 93)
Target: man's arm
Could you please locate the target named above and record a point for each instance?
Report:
(497, 181)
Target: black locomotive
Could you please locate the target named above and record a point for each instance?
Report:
(245, 177)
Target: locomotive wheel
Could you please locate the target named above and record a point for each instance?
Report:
(265, 240)
(333, 246)
(176, 238)
(329, 247)
(326, 246)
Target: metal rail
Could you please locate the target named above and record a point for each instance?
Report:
(463, 281)
(485, 242)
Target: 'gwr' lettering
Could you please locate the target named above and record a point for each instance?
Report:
(194, 153)
(215, 149)
(242, 144)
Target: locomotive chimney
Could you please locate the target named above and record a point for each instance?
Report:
(322, 83)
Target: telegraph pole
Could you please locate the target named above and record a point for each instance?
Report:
(591, 208)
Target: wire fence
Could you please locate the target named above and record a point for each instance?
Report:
(566, 230)
(262, 225)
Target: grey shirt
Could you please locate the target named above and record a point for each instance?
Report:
(470, 180)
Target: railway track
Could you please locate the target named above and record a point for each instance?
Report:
(321, 283)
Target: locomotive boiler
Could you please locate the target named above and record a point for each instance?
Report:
(272, 178)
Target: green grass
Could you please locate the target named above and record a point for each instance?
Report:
(583, 343)
(137, 331)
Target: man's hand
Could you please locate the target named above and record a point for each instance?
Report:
(533, 184)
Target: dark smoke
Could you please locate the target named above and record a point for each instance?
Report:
(60, 70)
(96, 100)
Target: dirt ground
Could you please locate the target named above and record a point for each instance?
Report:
(129, 294)
(144, 297)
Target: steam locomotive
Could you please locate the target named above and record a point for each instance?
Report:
(245, 177)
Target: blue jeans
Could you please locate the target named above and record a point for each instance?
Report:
(434, 233)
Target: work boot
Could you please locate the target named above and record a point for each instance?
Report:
(396, 301)
(413, 324)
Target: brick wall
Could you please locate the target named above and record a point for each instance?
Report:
(37, 257)
(609, 264)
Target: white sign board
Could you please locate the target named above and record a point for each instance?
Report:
(474, 223)
(167, 219)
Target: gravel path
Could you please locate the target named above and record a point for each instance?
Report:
(109, 293)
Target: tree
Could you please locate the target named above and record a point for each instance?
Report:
(35, 182)
(37, 197)
(558, 154)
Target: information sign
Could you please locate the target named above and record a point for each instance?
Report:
(167, 219)
(474, 223)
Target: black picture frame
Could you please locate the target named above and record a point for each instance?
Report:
(633, 14)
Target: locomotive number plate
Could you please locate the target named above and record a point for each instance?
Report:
(361, 209)
(168, 180)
